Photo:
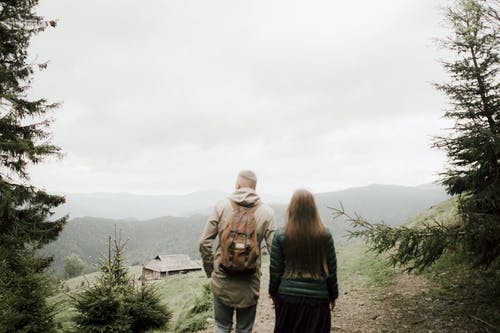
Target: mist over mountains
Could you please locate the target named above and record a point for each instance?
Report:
(152, 228)
(143, 207)
(136, 206)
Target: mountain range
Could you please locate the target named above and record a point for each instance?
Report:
(173, 224)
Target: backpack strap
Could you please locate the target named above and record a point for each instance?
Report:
(234, 227)
(235, 217)
(250, 218)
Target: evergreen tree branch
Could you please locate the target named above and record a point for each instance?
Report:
(411, 248)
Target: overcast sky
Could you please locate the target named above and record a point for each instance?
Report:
(176, 96)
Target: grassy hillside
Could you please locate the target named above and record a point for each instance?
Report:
(444, 212)
(389, 203)
(87, 237)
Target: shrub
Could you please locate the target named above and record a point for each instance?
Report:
(115, 304)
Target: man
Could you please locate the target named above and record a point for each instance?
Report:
(232, 292)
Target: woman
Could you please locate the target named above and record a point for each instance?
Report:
(303, 270)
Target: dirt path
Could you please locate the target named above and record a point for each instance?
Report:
(355, 312)
(404, 306)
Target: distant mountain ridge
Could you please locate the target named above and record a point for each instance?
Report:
(392, 204)
(148, 237)
(142, 207)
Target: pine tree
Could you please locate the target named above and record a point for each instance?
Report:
(472, 147)
(114, 303)
(24, 209)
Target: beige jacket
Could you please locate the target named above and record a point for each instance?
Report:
(237, 292)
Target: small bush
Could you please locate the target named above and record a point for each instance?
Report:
(101, 309)
(73, 265)
(145, 310)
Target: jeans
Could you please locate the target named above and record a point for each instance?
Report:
(224, 318)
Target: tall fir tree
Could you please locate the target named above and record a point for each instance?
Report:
(24, 210)
(472, 147)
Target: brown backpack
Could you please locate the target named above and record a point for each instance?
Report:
(238, 242)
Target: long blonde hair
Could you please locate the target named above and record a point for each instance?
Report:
(305, 238)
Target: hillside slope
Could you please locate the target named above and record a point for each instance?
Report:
(87, 237)
(444, 212)
(389, 203)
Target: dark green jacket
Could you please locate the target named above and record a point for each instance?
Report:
(325, 288)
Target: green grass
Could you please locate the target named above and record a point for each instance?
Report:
(195, 314)
(359, 268)
(445, 212)
(64, 312)
(179, 290)
(467, 291)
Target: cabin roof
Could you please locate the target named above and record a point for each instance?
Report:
(174, 262)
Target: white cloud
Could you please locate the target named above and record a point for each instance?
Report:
(176, 96)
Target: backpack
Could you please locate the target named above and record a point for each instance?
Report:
(238, 242)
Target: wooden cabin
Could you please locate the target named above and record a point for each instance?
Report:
(164, 265)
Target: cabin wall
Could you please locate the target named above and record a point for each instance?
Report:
(150, 274)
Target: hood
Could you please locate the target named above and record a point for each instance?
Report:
(245, 197)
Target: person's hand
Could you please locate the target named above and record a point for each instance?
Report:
(332, 305)
(272, 300)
